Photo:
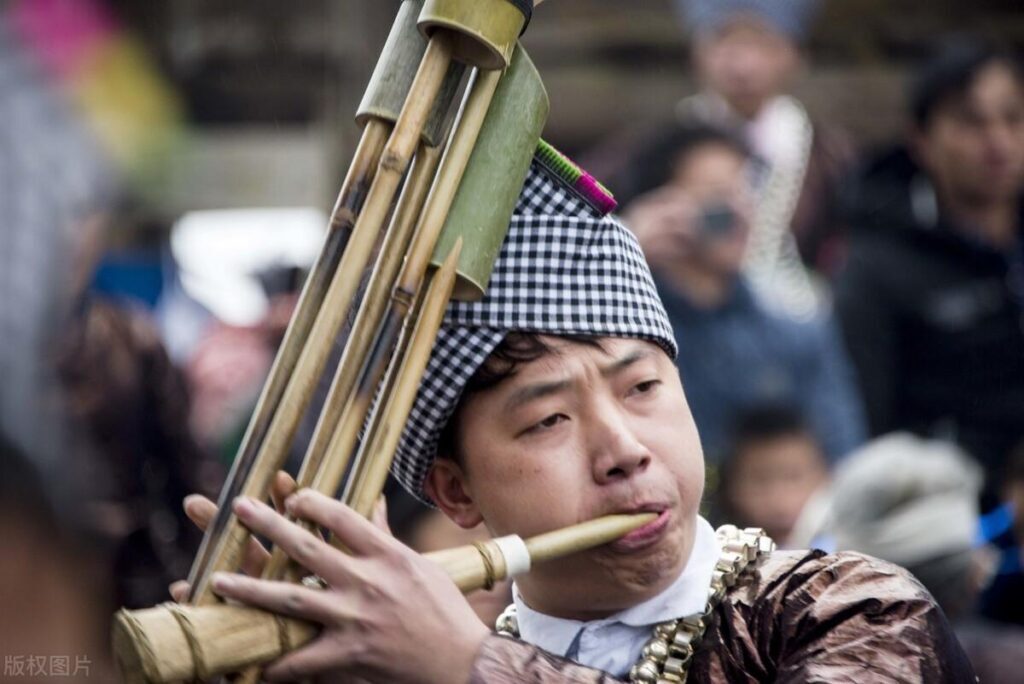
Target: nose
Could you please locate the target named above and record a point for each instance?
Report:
(617, 452)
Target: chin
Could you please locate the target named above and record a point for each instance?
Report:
(649, 572)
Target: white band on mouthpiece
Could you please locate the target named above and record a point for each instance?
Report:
(517, 556)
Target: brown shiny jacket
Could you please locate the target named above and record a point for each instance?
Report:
(805, 617)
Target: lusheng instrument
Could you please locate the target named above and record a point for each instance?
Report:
(451, 119)
(175, 643)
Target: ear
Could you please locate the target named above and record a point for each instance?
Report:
(446, 484)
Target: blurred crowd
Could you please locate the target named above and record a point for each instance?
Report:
(850, 323)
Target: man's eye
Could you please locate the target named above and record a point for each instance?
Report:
(549, 422)
(645, 386)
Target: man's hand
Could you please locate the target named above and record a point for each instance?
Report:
(663, 222)
(388, 614)
(202, 511)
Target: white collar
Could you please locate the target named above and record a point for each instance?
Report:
(630, 627)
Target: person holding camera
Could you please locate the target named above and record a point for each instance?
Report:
(693, 226)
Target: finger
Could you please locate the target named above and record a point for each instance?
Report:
(318, 658)
(379, 517)
(179, 590)
(202, 511)
(301, 545)
(355, 532)
(281, 488)
(283, 598)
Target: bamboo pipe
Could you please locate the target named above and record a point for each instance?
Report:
(373, 306)
(407, 369)
(172, 643)
(434, 303)
(349, 202)
(370, 313)
(382, 413)
(395, 158)
(432, 221)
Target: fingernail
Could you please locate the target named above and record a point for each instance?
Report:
(222, 580)
(244, 505)
(289, 504)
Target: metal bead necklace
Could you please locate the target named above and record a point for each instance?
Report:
(666, 657)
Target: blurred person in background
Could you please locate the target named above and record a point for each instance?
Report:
(227, 369)
(1003, 527)
(774, 473)
(55, 588)
(914, 502)
(88, 393)
(746, 54)
(129, 404)
(693, 225)
(932, 299)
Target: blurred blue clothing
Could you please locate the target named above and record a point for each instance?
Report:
(739, 355)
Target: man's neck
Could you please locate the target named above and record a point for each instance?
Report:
(996, 223)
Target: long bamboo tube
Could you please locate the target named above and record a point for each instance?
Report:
(370, 312)
(350, 200)
(432, 221)
(175, 643)
(406, 372)
(394, 160)
(372, 309)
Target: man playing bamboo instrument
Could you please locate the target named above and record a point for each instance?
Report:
(552, 401)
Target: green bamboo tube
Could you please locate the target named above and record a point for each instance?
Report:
(350, 201)
(486, 30)
(494, 177)
(394, 160)
(393, 76)
(181, 643)
(453, 165)
(406, 371)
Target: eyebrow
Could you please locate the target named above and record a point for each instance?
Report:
(626, 361)
(525, 395)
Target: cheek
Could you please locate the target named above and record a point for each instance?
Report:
(524, 491)
(673, 436)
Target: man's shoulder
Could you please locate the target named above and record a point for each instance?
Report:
(810, 566)
(813, 616)
(823, 583)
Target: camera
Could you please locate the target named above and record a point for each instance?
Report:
(717, 220)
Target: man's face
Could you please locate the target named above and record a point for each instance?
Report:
(973, 146)
(577, 434)
(746, 63)
(773, 480)
(715, 179)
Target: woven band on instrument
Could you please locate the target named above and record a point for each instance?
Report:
(489, 574)
(526, 7)
(178, 611)
(517, 556)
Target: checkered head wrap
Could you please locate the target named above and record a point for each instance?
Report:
(564, 269)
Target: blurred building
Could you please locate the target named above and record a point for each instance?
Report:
(269, 88)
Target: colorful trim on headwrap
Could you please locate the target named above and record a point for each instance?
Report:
(586, 186)
(564, 269)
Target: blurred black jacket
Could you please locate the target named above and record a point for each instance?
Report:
(933, 317)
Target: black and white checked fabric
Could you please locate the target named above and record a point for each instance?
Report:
(563, 269)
